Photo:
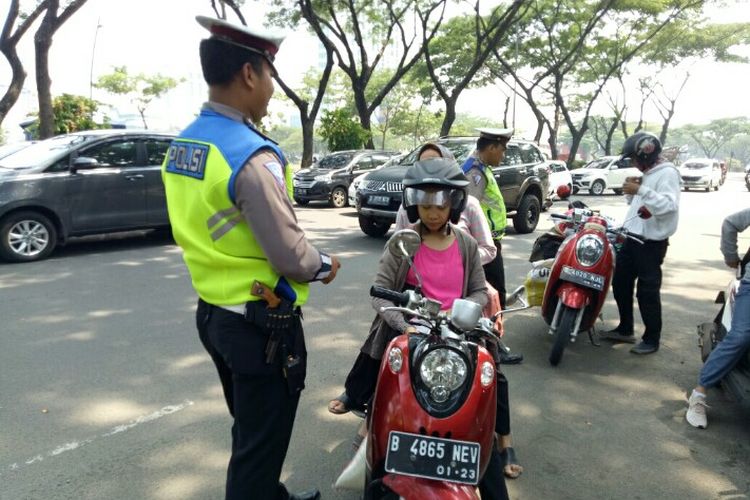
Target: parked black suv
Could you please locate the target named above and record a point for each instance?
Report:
(329, 179)
(523, 179)
(82, 183)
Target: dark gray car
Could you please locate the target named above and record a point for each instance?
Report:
(77, 184)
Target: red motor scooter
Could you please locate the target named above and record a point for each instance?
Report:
(580, 276)
(432, 421)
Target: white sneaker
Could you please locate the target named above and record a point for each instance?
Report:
(696, 413)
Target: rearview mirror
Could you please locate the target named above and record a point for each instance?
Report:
(404, 243)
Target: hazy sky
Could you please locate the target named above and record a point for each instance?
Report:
(161, 36)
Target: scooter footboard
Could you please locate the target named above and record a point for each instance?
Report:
(415, 488)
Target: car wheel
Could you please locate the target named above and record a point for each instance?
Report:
(373, 227)
(710, 185)
(301, 203)
(575, 190)
(716, 187)
(27, 236)
(617, 191)
(597, 188)
(527, 215)
(338, 198)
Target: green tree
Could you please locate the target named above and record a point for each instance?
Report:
(72, 113)
(307, 102)
(341, 131)
(357, 29)
(141, 89)
(573, 48)
(53, 19)
(713, 136)
(454, 60)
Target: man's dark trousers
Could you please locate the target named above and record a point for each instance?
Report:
(640, 262)
(494, 272)
(257, 397)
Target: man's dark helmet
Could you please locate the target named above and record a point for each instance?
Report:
(643, 146)
(434, 182)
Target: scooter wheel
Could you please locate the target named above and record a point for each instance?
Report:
(562, 337)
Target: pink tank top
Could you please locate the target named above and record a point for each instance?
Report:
(442, 273)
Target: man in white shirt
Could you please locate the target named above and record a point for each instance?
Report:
(654, 202)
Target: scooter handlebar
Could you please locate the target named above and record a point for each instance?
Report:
(398, 298)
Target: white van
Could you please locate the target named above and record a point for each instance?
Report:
(603, 173)
(701, 173)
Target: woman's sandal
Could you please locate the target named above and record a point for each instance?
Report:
(342, 404)
(508, 457)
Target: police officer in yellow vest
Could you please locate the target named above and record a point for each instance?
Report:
(228, 191)
(490, 152)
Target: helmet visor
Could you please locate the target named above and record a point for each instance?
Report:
(433, 197)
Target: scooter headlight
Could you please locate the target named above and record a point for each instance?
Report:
(442, 372)
(589, 250)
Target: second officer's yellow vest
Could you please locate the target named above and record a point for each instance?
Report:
(220, 250)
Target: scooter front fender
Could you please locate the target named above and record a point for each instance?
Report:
(573, 296)
(415, 488)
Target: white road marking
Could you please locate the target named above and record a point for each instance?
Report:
(74, 445)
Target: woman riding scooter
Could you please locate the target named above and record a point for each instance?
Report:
(449, 264)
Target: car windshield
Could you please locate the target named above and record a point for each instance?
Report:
(602, 163)
(460, 150)
(338, 160)
(41, 152)
(695, 165)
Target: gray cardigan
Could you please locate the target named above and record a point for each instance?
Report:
(392, 273)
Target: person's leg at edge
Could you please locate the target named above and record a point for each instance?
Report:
(723, 358)
(510, 467)
(623, 284)
(492, 486)
(495, 273)
(649, 289)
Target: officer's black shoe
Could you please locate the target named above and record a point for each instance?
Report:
(509, 358)
(306, 495)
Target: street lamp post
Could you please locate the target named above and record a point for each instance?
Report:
(93, 51)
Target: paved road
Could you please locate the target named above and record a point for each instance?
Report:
(105, 391)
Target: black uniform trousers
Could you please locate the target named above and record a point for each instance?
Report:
(641, 263)
(258, 400)
(494, 272)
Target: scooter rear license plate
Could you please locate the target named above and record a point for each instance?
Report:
(583, 278)
(433, 458)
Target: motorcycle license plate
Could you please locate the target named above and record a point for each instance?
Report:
(583, 278)
(379, 200)
(432, 458)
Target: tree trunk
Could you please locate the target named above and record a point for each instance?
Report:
(610, 136)
(450, 116)
(308, 127)
(577, 138)
(42, 44)
(360, 102)
(18, 76)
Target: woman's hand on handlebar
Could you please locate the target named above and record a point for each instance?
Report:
(410, 329)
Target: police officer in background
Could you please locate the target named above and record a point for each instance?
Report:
(228, 192)
(491, 147)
